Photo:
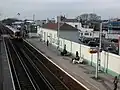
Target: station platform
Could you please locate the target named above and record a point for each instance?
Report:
(83, 73)
(6, 80)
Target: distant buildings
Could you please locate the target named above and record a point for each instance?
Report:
(89, 17)
(87, 25)
(40, 22)
(112, 26)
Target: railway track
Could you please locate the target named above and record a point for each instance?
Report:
(42, 63)
(26, 74)
(38, 78)
(43, 76)
(21, 78)
(32, 71)
(4, 30)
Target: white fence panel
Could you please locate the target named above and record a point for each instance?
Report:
(114, 62)
(85, 52)
(68, 45)
(75, 47)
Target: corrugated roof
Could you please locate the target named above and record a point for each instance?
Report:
(63, 26)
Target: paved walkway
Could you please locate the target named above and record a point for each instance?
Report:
(83, 73)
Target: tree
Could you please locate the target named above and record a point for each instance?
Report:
(89, 17)
(9, 21)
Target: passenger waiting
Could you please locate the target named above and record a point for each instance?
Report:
(64, 52)
(76, 58)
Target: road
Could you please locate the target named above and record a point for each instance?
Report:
(105, 44)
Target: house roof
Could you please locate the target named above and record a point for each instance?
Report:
(70, 20)
(63, 26)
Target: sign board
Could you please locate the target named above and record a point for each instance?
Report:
(93, 50)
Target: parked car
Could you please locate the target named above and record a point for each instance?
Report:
(114, 40)
(116, 43)
(86, 40)
(93, 44)
(96, 40)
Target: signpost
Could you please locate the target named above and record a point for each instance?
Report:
(94, 50)
(98, 50)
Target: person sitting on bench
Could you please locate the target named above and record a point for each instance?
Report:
(64, 52)
(76, 59)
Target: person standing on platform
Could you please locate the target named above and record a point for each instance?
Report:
(115, 82)
(47, 42)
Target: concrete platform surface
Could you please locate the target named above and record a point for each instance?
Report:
(83, 73)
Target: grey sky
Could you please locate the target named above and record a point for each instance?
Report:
(50, 8)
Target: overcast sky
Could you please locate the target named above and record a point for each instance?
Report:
(50, 8)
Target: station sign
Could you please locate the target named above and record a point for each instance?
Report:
(94, 50)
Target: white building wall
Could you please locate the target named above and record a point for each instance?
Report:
(109, 62)
(114, 63)
(47, 34)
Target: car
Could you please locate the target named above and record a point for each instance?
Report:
(86, 40)
(116, 43)
(114, 40)
(96, 40)
(111, 50)
(93, 44)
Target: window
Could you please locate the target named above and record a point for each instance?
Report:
(86, 33)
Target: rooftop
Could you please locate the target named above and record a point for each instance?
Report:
(63, 26)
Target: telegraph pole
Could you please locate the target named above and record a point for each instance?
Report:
(58, 32)
(98, 52)
(119, 44)
(80, 41)
(100, 46)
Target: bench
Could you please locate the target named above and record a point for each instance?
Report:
(64, 52)
(77, 60)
